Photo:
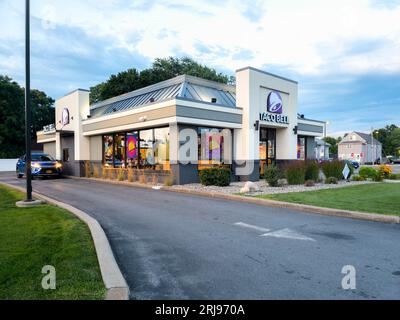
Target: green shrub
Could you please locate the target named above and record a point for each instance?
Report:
(272, 175)
(120, 175)
(394, 176)
(368, 172)
(331, 180)
(295, 173)
(309, 183)
(334, 169)
(379, 176)
(312, 170)
(358, 178)
(169, 181)
(216, 176)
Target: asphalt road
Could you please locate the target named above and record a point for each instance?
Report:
(175, 246)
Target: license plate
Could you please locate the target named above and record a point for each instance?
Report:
(49, 171)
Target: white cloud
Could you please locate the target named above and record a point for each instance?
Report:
(307, 37)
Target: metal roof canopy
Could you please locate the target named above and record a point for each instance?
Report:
(187, 87)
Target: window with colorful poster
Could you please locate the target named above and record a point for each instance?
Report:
(119, 150)
(161, 149)
(211, 147)
(108, 150)
(301, 148)
(215, 141)
(146, 148)
(132, 149)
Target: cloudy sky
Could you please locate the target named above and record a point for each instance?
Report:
(344, 54)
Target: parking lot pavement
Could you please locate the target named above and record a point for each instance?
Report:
(178, 246)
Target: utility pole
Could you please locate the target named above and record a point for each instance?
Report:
(28, 115)
(326, 124)
(372, 146)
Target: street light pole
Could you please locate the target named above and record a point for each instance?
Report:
(28, 116)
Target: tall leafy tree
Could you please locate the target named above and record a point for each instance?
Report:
(388, 136)
(162, 69)
(12, 116)
(333, 149)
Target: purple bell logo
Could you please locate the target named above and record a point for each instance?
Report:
(274, 103)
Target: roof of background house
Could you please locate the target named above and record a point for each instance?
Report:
(321, 142)
(366, 136)
(182, 87)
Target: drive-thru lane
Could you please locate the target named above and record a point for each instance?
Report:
(177, 246)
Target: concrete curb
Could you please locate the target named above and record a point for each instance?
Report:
(265, 202)
(114, 281)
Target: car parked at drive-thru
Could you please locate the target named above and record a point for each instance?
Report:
(43, 165)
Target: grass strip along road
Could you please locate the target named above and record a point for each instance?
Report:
(31, 238)
(382, 198)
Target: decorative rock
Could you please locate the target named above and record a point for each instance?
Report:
(282, 182)
(249, 187)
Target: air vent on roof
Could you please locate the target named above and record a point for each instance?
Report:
(213, 100)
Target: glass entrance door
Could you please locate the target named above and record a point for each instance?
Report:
(267, 148)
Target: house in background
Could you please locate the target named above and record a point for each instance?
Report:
(361, 147)
(321, 150)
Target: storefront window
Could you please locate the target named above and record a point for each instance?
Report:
(161, 149)
(211, 147)
(108, 142)
(301, 148)
(138, 149)
(132, 151)
(146, 148)
(119, 151)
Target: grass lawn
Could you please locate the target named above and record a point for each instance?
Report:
(381, 198)
(31, 238)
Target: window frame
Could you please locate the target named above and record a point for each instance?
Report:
(113, 134)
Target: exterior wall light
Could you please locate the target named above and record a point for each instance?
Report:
(257, 125)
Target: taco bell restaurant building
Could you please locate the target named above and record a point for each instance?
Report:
(185, 124)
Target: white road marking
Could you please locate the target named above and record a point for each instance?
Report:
(288, 234)
(250, 226)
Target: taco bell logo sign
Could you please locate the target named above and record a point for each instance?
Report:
(65, 117)
(274, 103)
(274, 110)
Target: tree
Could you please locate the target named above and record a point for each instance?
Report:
(162, 69)
(388, 136)
(43, 112)
(12, 116)
(333, 149)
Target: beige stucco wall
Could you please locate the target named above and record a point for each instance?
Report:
(50, 148)
(252, 90)
(77, 103)
(96, 148)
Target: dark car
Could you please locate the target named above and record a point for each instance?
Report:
(353, 163)
(43, 165)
